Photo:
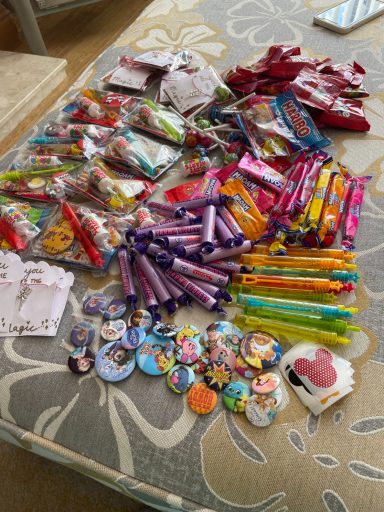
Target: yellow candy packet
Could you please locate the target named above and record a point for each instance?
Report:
(318, 198)
(244, 210)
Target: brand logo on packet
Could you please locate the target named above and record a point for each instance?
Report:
(274, 180)
(333, 199)
(247, 182)
(245, 206)
(297, 120)
(210, 186)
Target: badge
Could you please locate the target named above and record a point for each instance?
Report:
(260, 349)
(260, 410)
(113, 330)
(83, 334)
(133, 338)
(236, 395)
(223, 333)
(95, 303)
(188, 348)
(200, 365)
(202, 399)
(114, 363)
(217, 375)
(224, 354)
(116, 309)
(245, 370)
(140, 318)
(155, 356)
(81, 360)
(265, 383)
(180, 378)
(165, 330)
(58, 238)
(188, 331)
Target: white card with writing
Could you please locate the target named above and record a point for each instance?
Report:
(130, 77)
(11, 274)
(63, 285)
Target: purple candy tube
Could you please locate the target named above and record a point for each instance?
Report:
(167, 209)
(186, 251)
(219, 254)
(142, 234)
(232, 224)
(195, 291)
(208, 229)
(177, 293)
(170, 242)
(154, 250)
(162, 293)
(149, 296)
(182, 230)
(213, 290)
(224, 234)
(230, 267)
(202, 272)
(195, 204)
(129, 289)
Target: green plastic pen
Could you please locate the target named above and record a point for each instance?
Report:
(335, 275)
(312, 321)
(291, 333)
(323, 297)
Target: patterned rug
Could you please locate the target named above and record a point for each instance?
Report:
(142, 440)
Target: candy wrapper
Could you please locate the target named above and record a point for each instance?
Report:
(115, 191)
(25, 160)
(331, 208)
(130, 75)
(20, 223)
(81, 237)
(354, 74)
(41, 184)
(318, 376)
(56, 133)
(352, 215)
(158, 120)
(182, 192)
(262, 173)
(81, 150)
(316, 89)
(209, 185)
(344, 113)
(101, 107)
(280, 127)
(146, 155)
(244, 210)
(164, 61)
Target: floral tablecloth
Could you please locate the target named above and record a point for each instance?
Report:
(143, 440)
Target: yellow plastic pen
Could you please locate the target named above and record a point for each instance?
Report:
(296, 262)
(304, 252)
(298, 283)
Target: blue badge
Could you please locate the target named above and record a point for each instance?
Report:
(155, 356)
(133, 338)
(95, 303)
(114, 363)
(83, 334)
(140, 318)
(165, 330)
(116, 309)
(180, 378)
(223, 333)
(113, 330)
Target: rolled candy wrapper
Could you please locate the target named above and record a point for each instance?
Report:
(195, 166)
(175, 211)
(162, 293)
(194, 204)
(195, 291)
(244, 210)
(182, 230)
(129, 288)
(192, 269)
(319, 195)
(263, 173)
(213, 290)
(224, 234)
(221, 253)
(92, 108)
(148, 294)
(208, 229)
(170, 242)
(144, 216)
(19, 222)
(179, 295)
(154, 250)
(352, 215)
(103, 182)
(96, 231)
(187, 251)
(230, 267)
(232, 224)
(331, 207)
(166, 223)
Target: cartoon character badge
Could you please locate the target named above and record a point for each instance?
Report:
(114, 363)
(180, 378)
(155, 356)
(188, 348)
(223, 333)
(236, 395)
(260, 349)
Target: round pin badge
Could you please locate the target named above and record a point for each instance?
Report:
(113, 330)
(81, 360)
(260, 349)
(95, 303)
(165, 330)
(223, 333)
(224, 354)
(114, 363)
(188, 349)
(188, 331)
(202, 399)
(217, 375)
(180, 378)
(116, 309)
(82, 334)
(140, 318)
(245, 370)
(236, 395)
(265, 383)
(58, 238)
(155, 356)
(133, 338)
(276, 396)
(200, 365)
(260, 410)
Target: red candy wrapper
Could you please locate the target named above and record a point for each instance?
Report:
(344, 113)
(182, 192)
(352, 215)
(353, 74)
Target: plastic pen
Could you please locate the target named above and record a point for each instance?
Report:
(281, 293)
(334, 275)
(92, 253)
(291, 333)
(308, 253)
(299, 283)
(296, 262)
(299, 307)
(311, 321)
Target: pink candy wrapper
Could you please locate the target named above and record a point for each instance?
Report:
(261, 172)
(352, 215)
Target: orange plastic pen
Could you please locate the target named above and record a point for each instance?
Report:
(304, 252)
(296, 262)
(298, 283)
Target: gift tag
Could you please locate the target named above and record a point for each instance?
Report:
(133, 77)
